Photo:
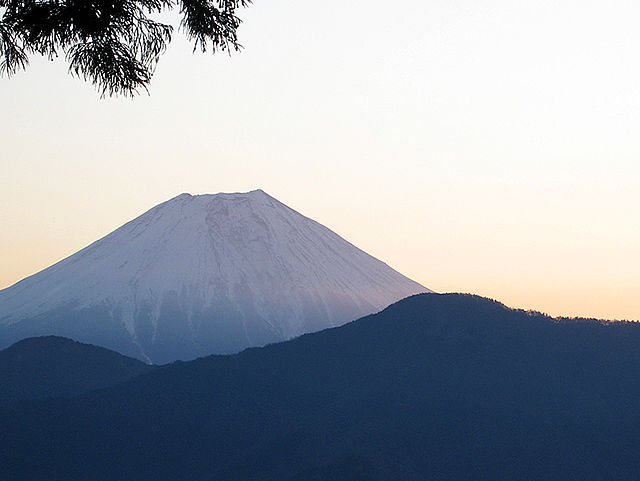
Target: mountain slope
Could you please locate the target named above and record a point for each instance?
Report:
(43, 367)
(203, 274)
(447, 387)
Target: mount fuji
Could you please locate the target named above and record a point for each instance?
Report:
(200, 275)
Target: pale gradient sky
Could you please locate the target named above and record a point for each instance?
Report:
(477, 146)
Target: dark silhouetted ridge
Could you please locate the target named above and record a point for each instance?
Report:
(50, 366)
(446, 387)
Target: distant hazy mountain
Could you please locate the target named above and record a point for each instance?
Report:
(199, 275)
(435, 387)
(43, 367)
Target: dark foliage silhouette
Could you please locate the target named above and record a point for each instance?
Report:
(115, 44)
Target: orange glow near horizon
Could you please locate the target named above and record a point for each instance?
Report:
(475, 154)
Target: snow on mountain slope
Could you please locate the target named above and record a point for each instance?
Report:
(203, 274)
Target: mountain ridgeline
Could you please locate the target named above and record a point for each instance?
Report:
(45, 367)
(200, 275)
(446, 387)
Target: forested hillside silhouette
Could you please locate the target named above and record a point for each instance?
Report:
(446, 387)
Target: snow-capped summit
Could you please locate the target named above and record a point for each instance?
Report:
(203, 274)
